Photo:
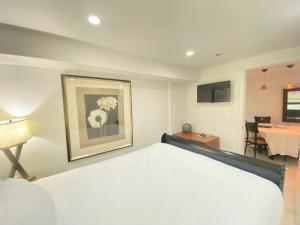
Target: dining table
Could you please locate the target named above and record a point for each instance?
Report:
(281, 139)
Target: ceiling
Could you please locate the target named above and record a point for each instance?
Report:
(162, 30)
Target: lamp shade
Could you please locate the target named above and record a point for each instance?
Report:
(14, 132)
(289, 85)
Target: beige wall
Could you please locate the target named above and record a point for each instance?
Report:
(269, 102)
(36, 93)
(298, 198)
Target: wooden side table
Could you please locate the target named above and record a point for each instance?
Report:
(210, 141)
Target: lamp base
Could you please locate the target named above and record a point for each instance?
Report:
(31, 178)
(14, 159)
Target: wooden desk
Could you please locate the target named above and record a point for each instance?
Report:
(210, 141)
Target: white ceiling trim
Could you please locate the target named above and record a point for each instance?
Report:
(39, 48)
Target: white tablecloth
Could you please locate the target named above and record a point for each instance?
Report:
(283, 141)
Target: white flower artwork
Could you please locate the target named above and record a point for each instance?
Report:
(107, 103)
(97, 118)
(98, 115)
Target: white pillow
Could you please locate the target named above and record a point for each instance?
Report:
(25, 203)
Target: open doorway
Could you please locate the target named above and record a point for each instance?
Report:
(273, 98)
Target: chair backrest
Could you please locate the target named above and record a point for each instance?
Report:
(251, 128)
(262, 119)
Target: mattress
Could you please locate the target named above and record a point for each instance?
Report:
(163, 185)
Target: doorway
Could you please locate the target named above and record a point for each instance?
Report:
(264, 98)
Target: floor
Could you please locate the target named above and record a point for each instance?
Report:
(289, 215)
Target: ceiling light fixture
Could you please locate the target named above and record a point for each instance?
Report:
(290, 85)
(264, 86)
(95, 20)
(189, 53)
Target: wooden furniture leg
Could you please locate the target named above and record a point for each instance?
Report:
(18, 154)
(15, 161)
(245, 151)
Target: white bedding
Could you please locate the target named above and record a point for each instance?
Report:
(163, 185)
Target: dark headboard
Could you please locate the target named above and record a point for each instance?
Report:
(270, 171)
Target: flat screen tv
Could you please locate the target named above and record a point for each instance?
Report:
(214, 92)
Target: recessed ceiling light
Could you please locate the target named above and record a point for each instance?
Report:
(95, 20)
(189, 53)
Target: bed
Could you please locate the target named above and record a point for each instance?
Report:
(164, 185)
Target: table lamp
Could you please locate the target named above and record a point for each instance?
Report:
(14, 133)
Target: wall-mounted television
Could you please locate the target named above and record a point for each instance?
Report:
(214, 92)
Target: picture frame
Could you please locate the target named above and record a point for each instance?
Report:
(98, 115)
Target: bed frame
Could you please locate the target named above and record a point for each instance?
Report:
(270, 171)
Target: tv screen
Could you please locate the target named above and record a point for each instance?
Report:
(214, 92)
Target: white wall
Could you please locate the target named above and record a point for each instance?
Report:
(269, 102)
(178, 105)
(226, 119)
(36, 93)
(33, 90)
(219, 119)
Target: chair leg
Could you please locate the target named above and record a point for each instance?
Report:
(260, 149)
(245, 148)
(255, 149)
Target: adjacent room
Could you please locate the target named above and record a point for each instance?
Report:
(272, 102)
(149, 112)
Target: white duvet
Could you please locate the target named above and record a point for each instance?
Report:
(163, 185)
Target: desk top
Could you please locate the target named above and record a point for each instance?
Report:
(196, 137)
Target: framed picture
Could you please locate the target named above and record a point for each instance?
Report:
(97, 114)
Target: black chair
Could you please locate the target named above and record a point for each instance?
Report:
(252, 140)
(262, 119)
